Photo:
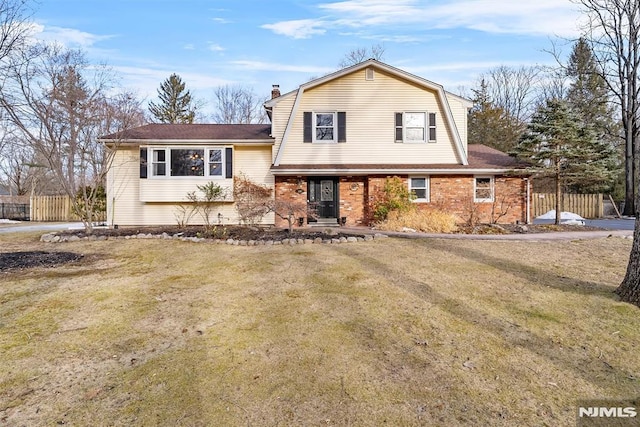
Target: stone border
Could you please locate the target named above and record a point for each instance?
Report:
(54, 238)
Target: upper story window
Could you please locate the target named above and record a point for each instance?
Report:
(483, 189)
(415, 127)
(187, 162)
(325, 126)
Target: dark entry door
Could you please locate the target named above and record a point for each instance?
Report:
(323, 196)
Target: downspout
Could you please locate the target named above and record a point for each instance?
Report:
(528, 202)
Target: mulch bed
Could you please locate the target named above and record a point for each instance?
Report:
(220, 232)
(20, 260)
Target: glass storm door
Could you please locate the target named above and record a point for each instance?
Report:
(323, 195)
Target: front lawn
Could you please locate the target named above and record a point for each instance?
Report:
(395, 331)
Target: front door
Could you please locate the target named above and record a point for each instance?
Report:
(323, 197)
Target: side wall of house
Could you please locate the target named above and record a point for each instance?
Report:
(135, 201)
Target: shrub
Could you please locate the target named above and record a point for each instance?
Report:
(395, 196)
(252, 200)
(432, 221)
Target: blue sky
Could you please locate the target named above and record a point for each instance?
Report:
(257, 43)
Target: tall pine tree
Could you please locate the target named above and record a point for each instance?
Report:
(588, 97)
(492, 125)
(175, 104)
(557, 144)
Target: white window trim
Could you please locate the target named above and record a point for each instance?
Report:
(427, 188)
(314, 127)
(475, 192)
(167, 150)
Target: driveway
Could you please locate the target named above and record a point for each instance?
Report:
(12, 227)
(605, 223)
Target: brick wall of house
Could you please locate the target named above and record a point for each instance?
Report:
(451, 193)
(455, 194)
(352, 191)
(289, 189)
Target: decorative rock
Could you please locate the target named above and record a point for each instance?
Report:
(277, 242)
(301, 241)
(317, 240)
(343, 239)
(335, 240)
(269, 243)
(309, 241)
(380, 236)
(251, 242)
(229, 241)
(285, 241)
(74, 238)
(47, 238)
(368, 238)
(352, 239)
(243, 243)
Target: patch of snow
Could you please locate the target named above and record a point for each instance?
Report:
(8, 221)
(563, 215)
(573, 222)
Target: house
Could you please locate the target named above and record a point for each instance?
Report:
(331, 143)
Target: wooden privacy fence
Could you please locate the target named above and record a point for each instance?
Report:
(585, 205)
(55, 208)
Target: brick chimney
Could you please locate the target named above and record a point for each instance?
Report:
(275, 91)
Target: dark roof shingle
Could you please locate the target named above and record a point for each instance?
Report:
(189, 132)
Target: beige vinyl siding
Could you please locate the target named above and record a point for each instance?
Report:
(123, 183)
(280, 118)
(460, 114)
(370, 108)
(155, 201)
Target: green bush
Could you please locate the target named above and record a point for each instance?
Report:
(395, 197)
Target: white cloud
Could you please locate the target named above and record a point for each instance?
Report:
(221, 21)
(68, 37)
(539, 17)
(189, 46)
(214, 47)
(297, 29)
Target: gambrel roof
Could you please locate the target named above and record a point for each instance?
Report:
(442, 96)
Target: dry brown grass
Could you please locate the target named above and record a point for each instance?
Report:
(402, 332)
(425, 221)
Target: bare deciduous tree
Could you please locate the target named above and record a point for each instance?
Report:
(238, 105)
(361, 54)
(61, 104)
(613, 31)
(513, 89)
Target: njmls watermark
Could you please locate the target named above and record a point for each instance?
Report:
(608, 413)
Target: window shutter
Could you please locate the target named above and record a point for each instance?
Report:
(342, 126)
(398, 127)
(432, 127)
(308, 128)
(143, 163)
(228, 165)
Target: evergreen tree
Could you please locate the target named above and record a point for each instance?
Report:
(588, 98)
(557, 144)
(490, 124)
(175, 104)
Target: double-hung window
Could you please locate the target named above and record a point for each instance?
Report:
(419, 187)
(325, 126)
(415, 127)
(483, 189)
(159, 162)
